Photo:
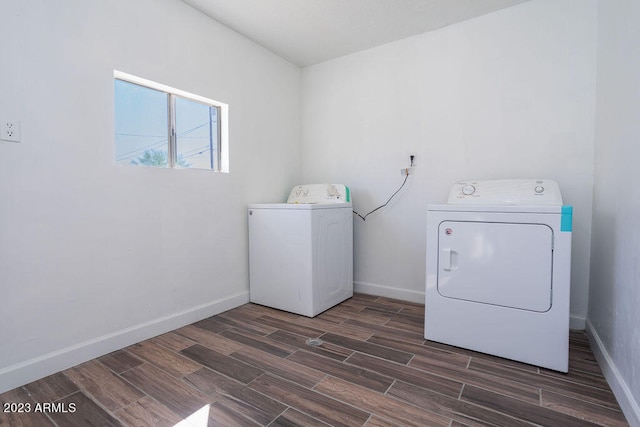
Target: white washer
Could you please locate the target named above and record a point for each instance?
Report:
(498, 271)
(301, 252)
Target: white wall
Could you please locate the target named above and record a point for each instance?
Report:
(94, 256)
(506, 95)
(614, 292)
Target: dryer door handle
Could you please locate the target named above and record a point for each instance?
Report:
(447, 259)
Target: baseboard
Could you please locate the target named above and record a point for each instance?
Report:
(389, 292)
(628, 403)
(47, 364)
(577, 323)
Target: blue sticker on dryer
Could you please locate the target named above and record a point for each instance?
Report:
(566, 218)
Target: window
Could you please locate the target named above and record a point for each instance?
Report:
(156, 125)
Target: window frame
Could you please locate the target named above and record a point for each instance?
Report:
(222, 149)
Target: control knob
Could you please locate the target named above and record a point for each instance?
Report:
(468, 190)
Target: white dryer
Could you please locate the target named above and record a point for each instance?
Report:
(301, 252)
(498, 271)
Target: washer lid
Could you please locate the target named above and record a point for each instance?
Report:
(300, 206)
(320, 193)
(506, 192)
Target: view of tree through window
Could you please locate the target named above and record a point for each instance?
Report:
(141, 125)
(156, 128)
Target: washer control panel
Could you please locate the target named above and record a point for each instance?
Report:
(506, 192)
(319, 193)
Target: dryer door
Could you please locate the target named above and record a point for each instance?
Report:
(503, 264)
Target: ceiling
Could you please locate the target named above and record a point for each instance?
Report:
(308, 32)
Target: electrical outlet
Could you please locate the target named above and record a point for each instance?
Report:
(10, 130)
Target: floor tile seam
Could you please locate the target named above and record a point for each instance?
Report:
(94, 398)
(248, 330)
(586, 419)
(52, 421)
(415, 354)
(382, 311)
(269, 372)
(386, 392)
(181, 380)
(237, 360)
(461, 391)
(241, 414)
(286, 408)
(596, 377)
(161, 344)
(391, 301)
(209, 347)
(46, 414)
(483, 358)
(578, 383)
(478, 385)
(386, 418)
(559, 390)
(409, 367)
(417, 311)
(490, 359)
(347, 403)
(28, 393)
(412, 355)
(303, 348)
(592, 403)
(273, 343)
(126, 381)
(399, 339)
(395, 332)
(417, 325)
(142, 362)
(148, 396)
(507, 376)
(452, 414)
(101, 406)
(296, 324)
(500, 412)
(446, 412)
(518, 371)
(524, 419)
(370, 343)
(349, 326)
(231, 355)
(225, 394)
(209, 330)
(200, 342)
(386, 325)
(300, 385)
(151, 363)
(350, 365)
(528, 402)
(576, 396)
(267, 336)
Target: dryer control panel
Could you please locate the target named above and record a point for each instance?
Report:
(506, 192)
(320, 193)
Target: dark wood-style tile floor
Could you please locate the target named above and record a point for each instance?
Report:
(254, 366)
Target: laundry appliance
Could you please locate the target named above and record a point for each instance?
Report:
(301, 252)
(498, 271)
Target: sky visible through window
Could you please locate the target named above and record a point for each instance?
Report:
(141, 124)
